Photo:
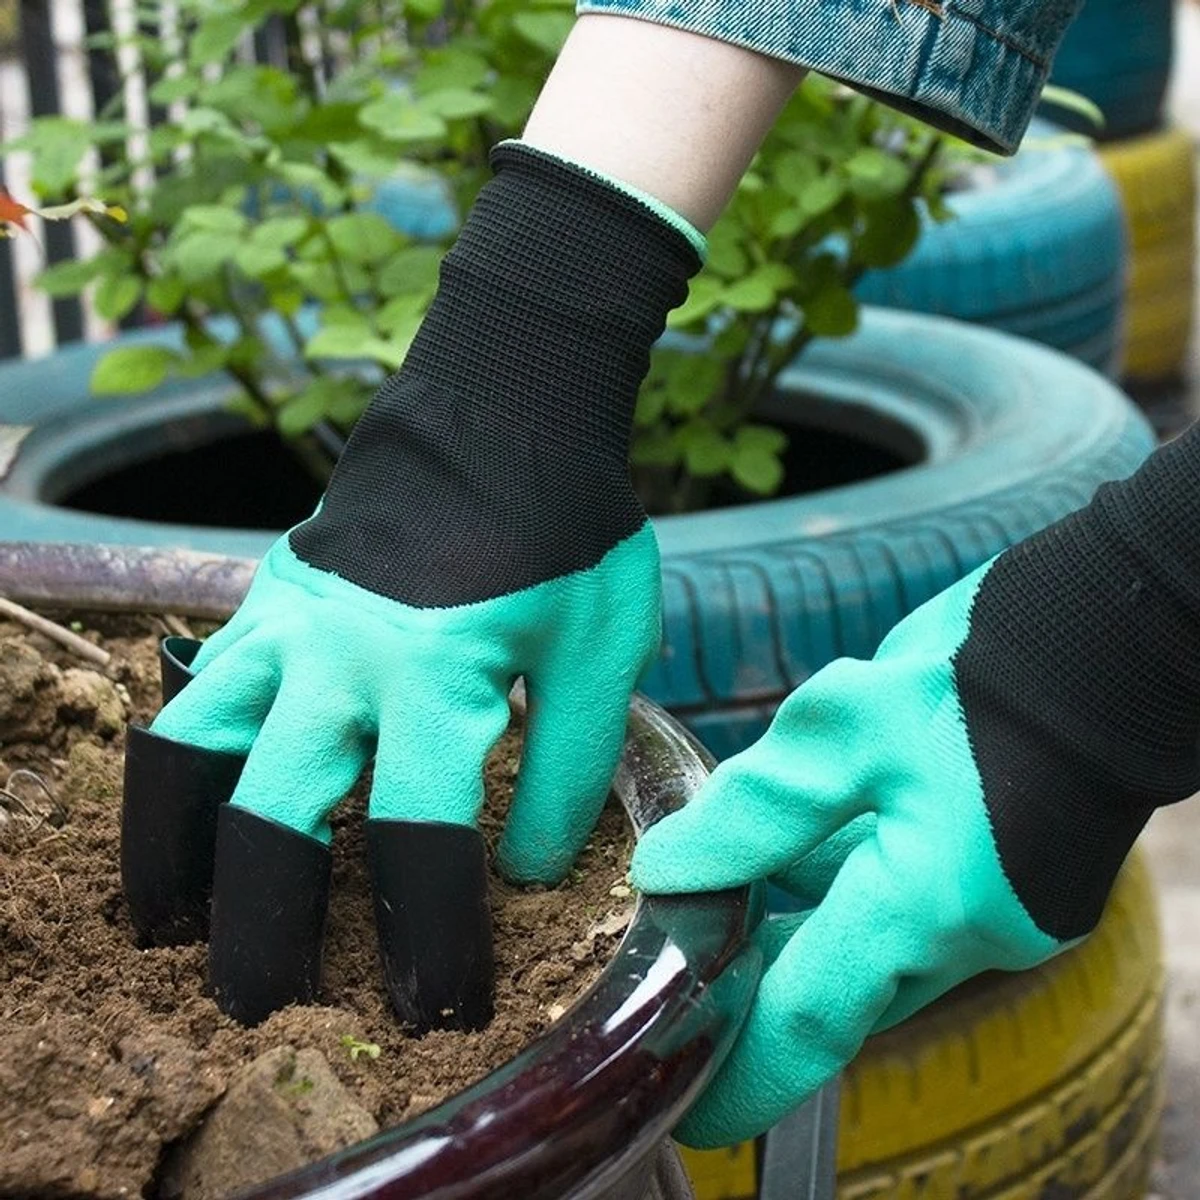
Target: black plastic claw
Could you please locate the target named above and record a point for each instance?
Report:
(173, 793)
(270, 896)
(433, 920)
(175, 657)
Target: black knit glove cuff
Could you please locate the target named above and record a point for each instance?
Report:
(496, 458)
(1080, 684)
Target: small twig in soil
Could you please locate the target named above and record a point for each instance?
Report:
(64, 637)
(58, 812)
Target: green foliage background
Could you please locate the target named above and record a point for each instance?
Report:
(249, 212)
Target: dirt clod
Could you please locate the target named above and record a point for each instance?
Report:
(111, 1056)
(283, 1110)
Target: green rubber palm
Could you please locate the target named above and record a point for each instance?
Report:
(864, 794)
(314, 675)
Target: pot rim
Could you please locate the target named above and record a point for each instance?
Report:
(588, 1100)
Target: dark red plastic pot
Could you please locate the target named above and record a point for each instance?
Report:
(582, 1111)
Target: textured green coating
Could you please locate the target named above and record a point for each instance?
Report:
(313, 676)
(918, 901)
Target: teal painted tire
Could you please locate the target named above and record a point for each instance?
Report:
(759, 597)
(756, 598)
(1036, 247)
(1118, 55)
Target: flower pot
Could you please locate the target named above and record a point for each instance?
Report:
(583, 1110)
(987, 439)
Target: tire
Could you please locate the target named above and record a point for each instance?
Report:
(1036, 247)
(757, 598)
(1156, 176)
(1118, 56)
(1046, 1083)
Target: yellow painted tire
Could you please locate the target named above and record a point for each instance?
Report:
(1014, 1087)
(1156, 176)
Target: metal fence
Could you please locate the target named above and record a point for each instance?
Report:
(47, 67)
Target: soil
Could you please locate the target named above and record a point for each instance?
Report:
(111, 1056)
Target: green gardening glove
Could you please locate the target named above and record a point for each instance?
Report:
(481, 527)
(964, 800)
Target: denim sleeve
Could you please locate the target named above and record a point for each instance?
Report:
(974, 68)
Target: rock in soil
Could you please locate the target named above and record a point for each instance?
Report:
(110, 1056)
(285, 1109)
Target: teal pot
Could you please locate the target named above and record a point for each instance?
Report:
(1035, 246)
(972, 441)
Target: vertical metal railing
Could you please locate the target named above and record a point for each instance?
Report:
(52, 69)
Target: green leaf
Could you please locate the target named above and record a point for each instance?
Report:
(725, 254)
(705, 450)
(116, 295)
(399, 118)
(199, 256)
(765, 439)
(756, 469)
(362, 237)
(214, 218)
(216, 36)
(703, 296)
(352, 342)
(306, 177)
(795, 171)
(364, 157)
(1073, 102)
(759, 290)
(70, 278)
(278, 233)
(545, 30)
(831, 312)
(656, 447)
(204, 360)
(165, 294)
(451, 67)
(424, 10)
(400, 318)
(512, 101)
(691, 383)
(256, 261)
(130, 369)
(891, 231)
(821, 195)
(180, 87)
(303, 410)
(57, 145)
(413, 271)
(455, 104)
(875, 175)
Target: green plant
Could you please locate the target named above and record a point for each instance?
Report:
(249, 221)
(356, 1048)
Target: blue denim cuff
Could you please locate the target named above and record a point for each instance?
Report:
(975, 68)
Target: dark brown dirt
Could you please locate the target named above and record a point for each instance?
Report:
(109, 1054)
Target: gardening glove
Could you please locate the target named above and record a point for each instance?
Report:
(480, 527)
(964, 800)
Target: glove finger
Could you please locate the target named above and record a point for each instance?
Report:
(745, 825)
(309, 753)
(431, 749)
(224, 705)
(573, 738)
(816, 1004)
(810, 878)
